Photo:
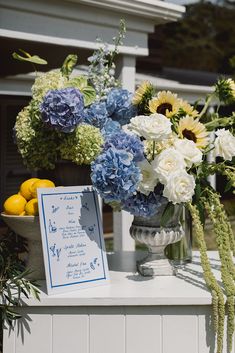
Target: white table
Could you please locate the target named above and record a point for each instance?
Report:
(131, 315)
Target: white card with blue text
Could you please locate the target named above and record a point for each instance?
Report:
(72, 238)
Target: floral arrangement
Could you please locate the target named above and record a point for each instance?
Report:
(70, 115)
(162, 152)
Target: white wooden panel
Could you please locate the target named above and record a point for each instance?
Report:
(34, 334)
(143, 330)
(179, 330)
(206, 334)
(107, 330)
(70, 330)
(8, 340)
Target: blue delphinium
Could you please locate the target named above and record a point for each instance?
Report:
(111, 127)
(115, 175)
(119, 105)
(96, 115)
(142, 205)
(127, 142)
(62, 109)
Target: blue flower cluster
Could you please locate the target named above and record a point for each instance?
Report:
(119, 105)
(96, 115)
(142, 205)
(115, 175)
(111, 127)
(63, 109)
(130, 143)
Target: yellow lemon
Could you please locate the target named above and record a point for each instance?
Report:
(25, 187)
(14, 205)
(31, 208)
(42, 183)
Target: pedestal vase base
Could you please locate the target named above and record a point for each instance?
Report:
(149, 231)
(153, 265)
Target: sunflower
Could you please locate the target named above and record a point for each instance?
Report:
(165, 103)
(192, 129)
(143, 91)
(188, 109)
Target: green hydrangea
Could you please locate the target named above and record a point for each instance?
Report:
(36, 144)
(47, 81)
(83, 145)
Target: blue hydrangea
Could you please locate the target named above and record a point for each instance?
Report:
(96, 115)
(119, 105)
(127, 142)
(141, 205)
(111, 127)
(115, 175)
(62, 109)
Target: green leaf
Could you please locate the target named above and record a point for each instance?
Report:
(228, 186)
(89, 95)
(68, 65)
(201, 210)
(198, 191)
(88, 91)
(79, 82)
(35, 59)
(167, 214)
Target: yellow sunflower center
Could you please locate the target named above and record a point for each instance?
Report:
(189, 134)
(162, 108)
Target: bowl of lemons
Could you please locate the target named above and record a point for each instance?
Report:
(20, 213)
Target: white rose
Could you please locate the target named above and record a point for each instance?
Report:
(154, 127)
(149, 177)
(189, 151)
(167, 162)
(224, 144)
(180, 187)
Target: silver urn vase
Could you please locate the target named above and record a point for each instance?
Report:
(148, 231)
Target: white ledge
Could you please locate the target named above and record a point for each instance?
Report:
(127, 288)
(151, 9)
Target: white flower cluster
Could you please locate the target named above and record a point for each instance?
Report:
(155, 127)
(224, 144)
(169, 167)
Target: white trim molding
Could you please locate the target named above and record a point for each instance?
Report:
(151, 9)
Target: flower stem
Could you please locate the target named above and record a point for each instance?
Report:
(208, 101)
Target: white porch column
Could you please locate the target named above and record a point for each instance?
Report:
(122, 220)
(125, 71)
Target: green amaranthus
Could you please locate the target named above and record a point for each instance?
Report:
(210, 200)
(211, 282)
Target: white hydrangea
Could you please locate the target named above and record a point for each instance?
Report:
(224, 144)
(180, 187)
(149, 177)
(168, 162)
(154, 127)
(189, 151)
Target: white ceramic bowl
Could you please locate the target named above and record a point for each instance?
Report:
(29, 227)
(26, 226)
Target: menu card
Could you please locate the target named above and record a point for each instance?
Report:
(72, 238)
